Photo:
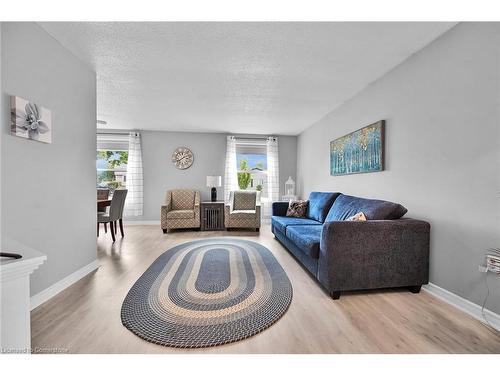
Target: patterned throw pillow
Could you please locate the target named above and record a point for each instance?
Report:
(358, 217)
(297, 208)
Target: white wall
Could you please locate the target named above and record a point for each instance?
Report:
(209, 151)
(442, 151)
(1, 137)
(48, 190)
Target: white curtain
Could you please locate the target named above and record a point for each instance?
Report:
(231, 171)
(134, 201)
(273, 177)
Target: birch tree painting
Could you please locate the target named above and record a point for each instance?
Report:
(361, 151)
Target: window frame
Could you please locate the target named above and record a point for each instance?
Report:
(256, 145)
(114, 170)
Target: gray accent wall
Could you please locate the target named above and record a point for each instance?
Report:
(48, 190)
(441, 108)
(209, 151)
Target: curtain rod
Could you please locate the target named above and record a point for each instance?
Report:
(114, 133)
(234, 136)
(117, 133)
(251, 138)
(263, 138)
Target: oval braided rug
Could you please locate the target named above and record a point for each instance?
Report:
(207, 292)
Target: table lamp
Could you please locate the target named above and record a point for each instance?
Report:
(213, 182)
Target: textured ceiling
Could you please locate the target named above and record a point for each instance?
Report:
(235, 77)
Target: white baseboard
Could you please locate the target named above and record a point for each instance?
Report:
(462, 304)
(58, 287)
(142, 222)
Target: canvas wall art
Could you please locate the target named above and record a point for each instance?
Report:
(361, 151)
(30, 120)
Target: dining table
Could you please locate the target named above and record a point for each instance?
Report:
(102, 203)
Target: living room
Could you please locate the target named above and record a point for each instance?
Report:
(262, 187)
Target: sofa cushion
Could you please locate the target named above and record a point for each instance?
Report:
(374, 209)
(282, 222)
(319, 205)
(306, 237)
(244, 200)
(183, 199)
(242, 214)
(180, 214)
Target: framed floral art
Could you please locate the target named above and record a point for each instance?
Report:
(30, 120)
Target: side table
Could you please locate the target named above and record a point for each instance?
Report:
(212, 215)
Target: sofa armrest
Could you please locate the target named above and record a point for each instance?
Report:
(374, 254)
(168, 200)
(280, 208)
(163, 214)
(197, 212)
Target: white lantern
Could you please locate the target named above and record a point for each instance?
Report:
(289, 189)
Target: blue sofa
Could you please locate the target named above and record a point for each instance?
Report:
(385, 251)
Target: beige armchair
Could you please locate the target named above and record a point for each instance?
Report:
(242, 210)
(181, 210)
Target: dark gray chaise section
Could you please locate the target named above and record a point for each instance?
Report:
(374, 254)
(349, 255)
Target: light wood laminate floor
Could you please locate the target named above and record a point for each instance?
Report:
(85, 318)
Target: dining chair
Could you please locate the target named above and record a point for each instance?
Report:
(115, 213)
(101, 195)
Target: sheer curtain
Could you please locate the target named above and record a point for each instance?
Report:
(273, 178)
(231, 172)
(134, 201)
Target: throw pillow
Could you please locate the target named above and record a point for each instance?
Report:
(358, 217)
(297, 208)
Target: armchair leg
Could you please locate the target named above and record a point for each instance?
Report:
(165, 230)
(112, 230)
(257, 229)
(97, 229)
(415, 288)
(105, 227)
(335, 295)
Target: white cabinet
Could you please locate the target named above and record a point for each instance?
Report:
(15, 331)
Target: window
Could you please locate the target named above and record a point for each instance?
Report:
(111, 169)
(111, 164)
(251, 159)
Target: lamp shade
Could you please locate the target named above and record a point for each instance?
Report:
(214, 181)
